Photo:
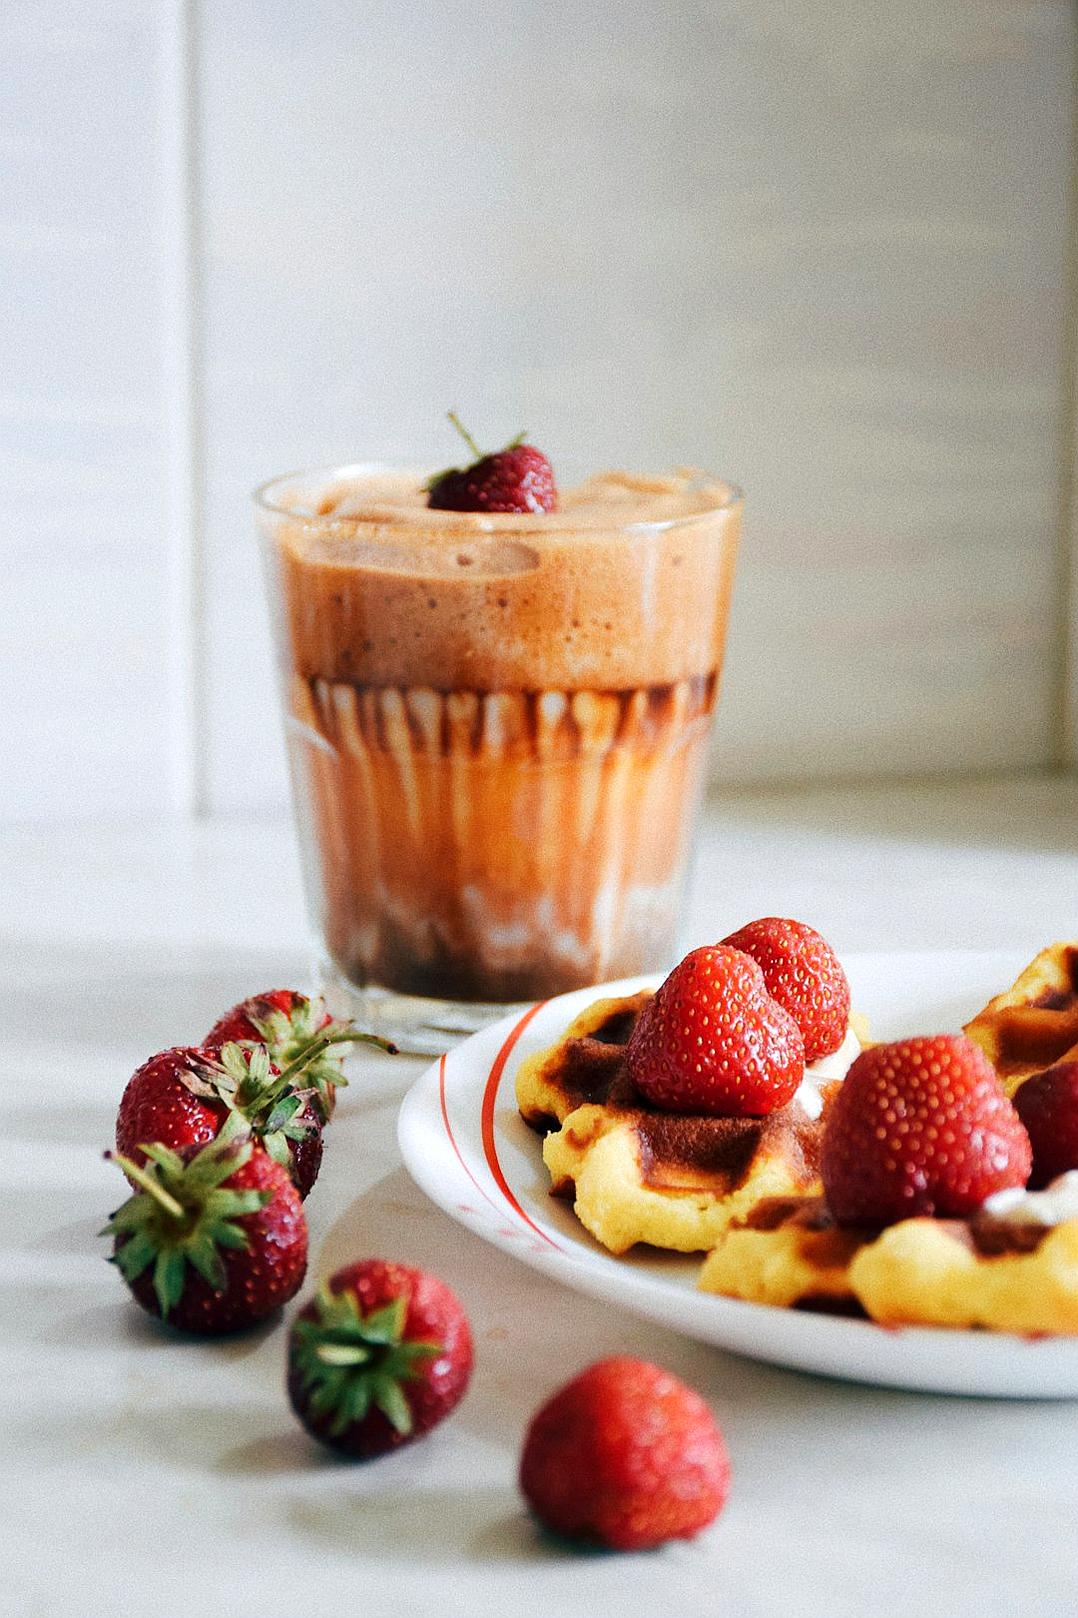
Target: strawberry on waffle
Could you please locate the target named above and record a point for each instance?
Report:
(668, 1114)
(925, 1217)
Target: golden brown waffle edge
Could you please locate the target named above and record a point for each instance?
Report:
(1034, 1023)
(973, 1273)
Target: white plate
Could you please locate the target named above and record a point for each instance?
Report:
(467, 1147)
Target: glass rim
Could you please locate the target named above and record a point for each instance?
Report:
(533, 523)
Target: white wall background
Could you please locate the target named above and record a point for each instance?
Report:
(821, 249)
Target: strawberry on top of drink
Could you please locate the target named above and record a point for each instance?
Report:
(516, 478)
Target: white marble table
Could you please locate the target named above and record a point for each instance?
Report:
(130, 1458)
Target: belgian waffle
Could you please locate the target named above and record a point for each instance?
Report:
(555, 1082)
(640, 1175)
(1035, 1022)
(786, 1251)
(979, 1272)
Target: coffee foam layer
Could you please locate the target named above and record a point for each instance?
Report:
(396, 498)
(628, 584)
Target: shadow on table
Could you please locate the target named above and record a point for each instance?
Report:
(120, 1322)
(359, 1506)
(428, 1525)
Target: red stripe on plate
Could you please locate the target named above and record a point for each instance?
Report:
(490, 1096)
(489, 1200)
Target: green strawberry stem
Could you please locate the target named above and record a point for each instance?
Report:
(342, 1354)
(471, 443)
(465, 434)
(148, 1182)
(357, 1036)
(311, 1052)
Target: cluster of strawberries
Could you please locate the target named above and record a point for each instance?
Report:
(920, 1126)
(730, 1030)
(222, 1142)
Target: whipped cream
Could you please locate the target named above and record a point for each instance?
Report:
(826, 1071)
(1052, 1206)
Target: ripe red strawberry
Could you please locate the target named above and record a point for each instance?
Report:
(922, 1126)
(802, 973)
(712, 1040)
(214, 1237)
(285, 1014)
(169, 1099)
(381, 1355)
(627, 1455)
(1048, 1106)
(182, 1097)
(516, 478)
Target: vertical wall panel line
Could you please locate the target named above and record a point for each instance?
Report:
(183, 405)
(1067, 734)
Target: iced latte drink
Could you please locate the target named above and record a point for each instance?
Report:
(497, 728)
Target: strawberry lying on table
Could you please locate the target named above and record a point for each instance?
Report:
(381, 1355)
(213, 1238)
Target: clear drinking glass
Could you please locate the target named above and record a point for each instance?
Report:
(497, 729)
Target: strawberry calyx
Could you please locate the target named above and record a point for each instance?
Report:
(242, 1078)
(182, 1213)
(350, 1363)
(303, 1039)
